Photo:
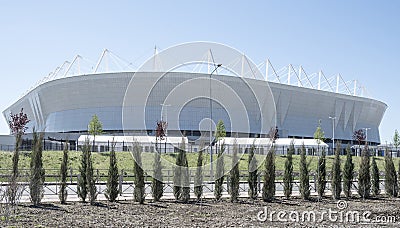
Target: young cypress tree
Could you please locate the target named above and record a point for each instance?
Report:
(398, 176)
(336, 182)
(37, 171)
(375, 178)
(64, 173)
(13, 187)
(17, 124)
(82, 181)
(198, 181)
(220, 133)
(113, 176)
(268, 190)
(220, 171)
(396, 142)
(304, 178)
(139, 174)
(185, 196)
(90, 179)
(178, 176)
(33, 160)
(15, 158)
(253, 172)
(348, 173)
(321, 183)
(288, 175)
(364, 178)
(391, 187)
(157, 184)
(319, 137)
(180, 172)
(234, 174)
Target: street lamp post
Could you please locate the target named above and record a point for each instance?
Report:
(333, 118)
(211, 117)
(366, 138)
(366, 134)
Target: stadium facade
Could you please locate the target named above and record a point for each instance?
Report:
(65, 106)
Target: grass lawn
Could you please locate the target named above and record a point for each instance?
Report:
(52, 161)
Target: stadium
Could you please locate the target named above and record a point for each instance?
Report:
(249, 102)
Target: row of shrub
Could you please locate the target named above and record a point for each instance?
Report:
(341, 179)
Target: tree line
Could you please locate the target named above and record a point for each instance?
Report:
(342, 178)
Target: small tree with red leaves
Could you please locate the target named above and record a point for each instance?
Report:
(273, 133)
(17, 124)
(359, 136)
(161, 132)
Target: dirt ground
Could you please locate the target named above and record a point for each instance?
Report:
(382, 212)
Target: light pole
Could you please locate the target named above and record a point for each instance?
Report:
(366, 134)
(333, 118)
(211, 117)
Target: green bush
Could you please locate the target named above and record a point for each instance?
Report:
(198, 182)
(288, 175)
(37, 172)
(336, 174)
(364, 178)
(321, 171)
(139, 188)
(348, 173)
(157, 184)
(82, 181)
(113, 177)
(219, 174)
(181, 176)
(90, 179)
(304, 178)
(391, 186)
(234, 175)
(375, 178)
(268, 190)
(185, 196)
(63, 173)
(253, 173)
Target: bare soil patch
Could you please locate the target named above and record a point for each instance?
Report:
(206, 214)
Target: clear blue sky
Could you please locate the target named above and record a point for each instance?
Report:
(359, 39)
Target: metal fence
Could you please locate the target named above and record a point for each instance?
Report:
(126, 182)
